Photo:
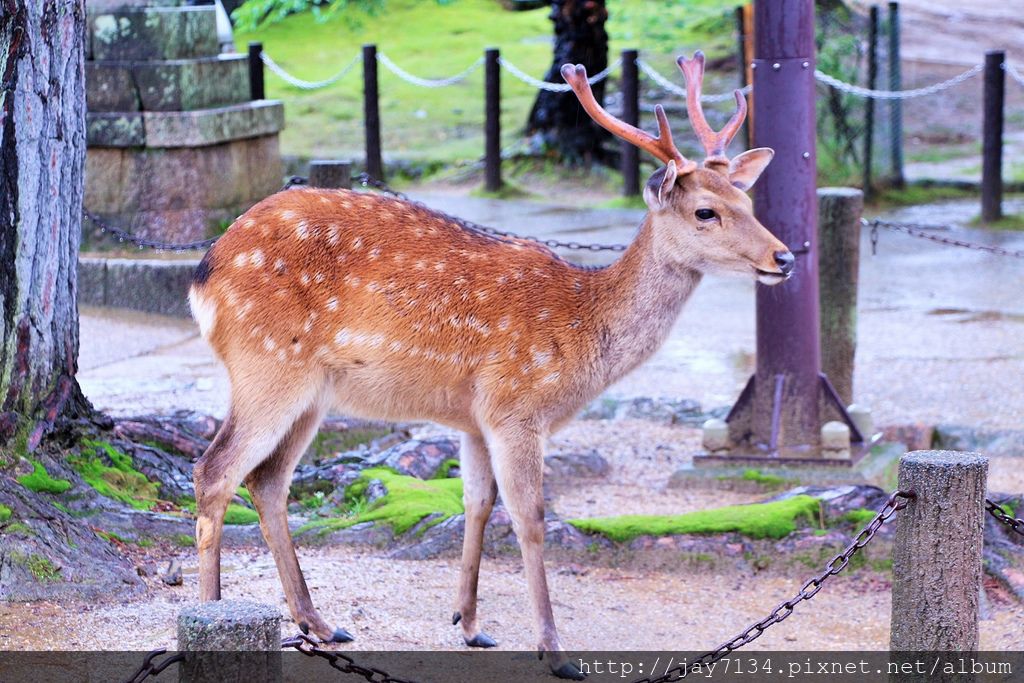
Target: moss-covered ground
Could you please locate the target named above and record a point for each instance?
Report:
(762, 520)
(119, 480)
(408, 501)
(40, 481)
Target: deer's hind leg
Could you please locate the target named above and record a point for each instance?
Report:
(258, 419)
(269, 484)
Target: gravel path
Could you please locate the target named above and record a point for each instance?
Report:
(397, 605)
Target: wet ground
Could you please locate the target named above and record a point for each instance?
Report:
(941, 329)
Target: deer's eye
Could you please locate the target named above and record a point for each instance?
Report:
(706, 214)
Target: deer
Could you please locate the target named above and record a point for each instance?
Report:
(318, 300)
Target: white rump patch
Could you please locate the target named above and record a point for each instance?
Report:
(204, 312)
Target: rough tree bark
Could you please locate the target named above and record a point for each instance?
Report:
(557, 117)
(42, 155)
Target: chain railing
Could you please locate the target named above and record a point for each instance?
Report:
(859, 91)
(427, 82)
(927, 232)
(554, 87)
(680, 91)
(145, 242)
(303, 84)
(896, 502)
(1014, 73)
(1015, 524)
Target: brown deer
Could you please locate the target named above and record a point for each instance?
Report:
(329, 299)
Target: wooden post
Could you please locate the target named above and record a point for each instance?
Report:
(492, 120)
(937, 552)
(230, 640)
(330, 173)
(895, 106)
(992, 137)
(631, 115)
(839, 212)
(744, 62)
(256, 88)
(371, 113)
(869, 103)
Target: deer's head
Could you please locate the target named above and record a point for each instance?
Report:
(701, 214)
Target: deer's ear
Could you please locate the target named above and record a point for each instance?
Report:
(659, 186)
(746, 168)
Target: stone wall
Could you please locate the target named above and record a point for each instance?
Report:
(176, 149)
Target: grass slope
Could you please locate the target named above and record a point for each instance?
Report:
(763, 520)
(431, 40)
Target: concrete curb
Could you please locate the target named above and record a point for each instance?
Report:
(149, 285)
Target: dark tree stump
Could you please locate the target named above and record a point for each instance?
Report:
(557, 117)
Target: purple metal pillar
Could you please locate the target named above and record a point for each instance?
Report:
(785, 406)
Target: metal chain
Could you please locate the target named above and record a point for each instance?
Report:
(366, 180)
(145, 242)
(554, 87)
(307, 85)
(151, 668)
(1014, 73)
(897, 501)
(997, 511)
(922, 231)
(339, 661)
(857, 90)
(426, 82)
(681, 92)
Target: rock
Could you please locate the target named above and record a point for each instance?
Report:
(991, 442)
(172, 575)
(375, 490)
(664, 410)
(837, 501)
(715, 435)
(417, 458)
(916, 437)
(589, 464)
(229, 625)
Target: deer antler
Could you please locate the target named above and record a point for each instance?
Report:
(661, 147)
(714, 143)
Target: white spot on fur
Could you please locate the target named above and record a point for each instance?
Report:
(268, 343)
(420, 265)
(279, 265)
(543, 314)
(357, 243)
(502, 279)
(241, 260)
(343, 337)
(332, 235)
(504, 323)
(395, 346)
(304, 279)
(256, 258)
(204, 312)
(288, 216)
(302, 230)
(374, 253)
(373, 286)
(481, 295)
(439, 266)
(552, 377)
(332, 303)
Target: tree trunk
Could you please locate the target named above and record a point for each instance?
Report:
(557, 117)
(42, 156)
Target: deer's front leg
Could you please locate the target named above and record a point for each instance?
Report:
(517, 455)
(479, 492)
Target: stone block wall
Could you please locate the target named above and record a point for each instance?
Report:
(176, 149)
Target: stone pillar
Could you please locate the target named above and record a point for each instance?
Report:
(936, 563)
(176, 149)
(228, 641)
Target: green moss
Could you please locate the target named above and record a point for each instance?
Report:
(235, 514)
(763, 520)
(40, 480)
(444, 471)
(122, 482)
(37, 565)
(111, 536)
(408, 501)
(244, 494)
(62, 507)
(5, 513)
(19, 528)
(860, 516)
(184, 540)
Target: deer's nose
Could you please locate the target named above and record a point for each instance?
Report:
(785, 260)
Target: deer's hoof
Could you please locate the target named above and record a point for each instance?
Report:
(340, 635)
(480, 640)
(569, 671)
(456, 618)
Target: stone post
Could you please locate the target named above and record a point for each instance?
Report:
(330, 174)
(839, 212)
(937, 552)
(230, 641)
